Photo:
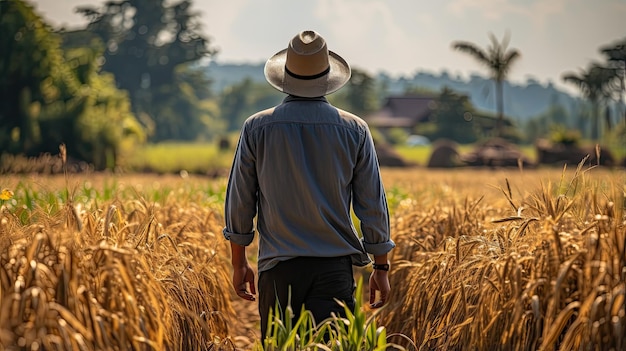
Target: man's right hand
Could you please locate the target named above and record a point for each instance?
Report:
(243, 277)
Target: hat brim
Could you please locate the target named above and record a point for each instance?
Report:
(337, 77)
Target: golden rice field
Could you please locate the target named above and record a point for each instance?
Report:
(485, 260)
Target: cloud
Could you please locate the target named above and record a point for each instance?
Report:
(541, 12)
(357, 20)
(537, 11)
(366, 33)
(489, 9)
(219, 20)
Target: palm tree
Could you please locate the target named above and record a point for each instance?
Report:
(499, 60)
(595, 84)
(617, 54)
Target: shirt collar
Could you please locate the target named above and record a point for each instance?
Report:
(290, 98)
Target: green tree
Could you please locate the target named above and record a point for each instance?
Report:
(361, 94)
(241, 100)
(596, 84)
(30, 57)
(541, 125)
(616, 54)
(146, 42)
(50, 96)
(499, 60)
(105, 127)
(182, 111)
(452, 118)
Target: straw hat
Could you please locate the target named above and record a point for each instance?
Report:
(307, 68)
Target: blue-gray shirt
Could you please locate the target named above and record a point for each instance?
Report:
(298, 168)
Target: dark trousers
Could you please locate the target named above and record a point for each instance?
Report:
(314, 282)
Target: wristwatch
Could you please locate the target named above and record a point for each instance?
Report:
(381, 267)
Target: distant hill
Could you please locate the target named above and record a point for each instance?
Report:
(522, 102)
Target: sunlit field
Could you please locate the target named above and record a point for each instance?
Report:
(502, 259)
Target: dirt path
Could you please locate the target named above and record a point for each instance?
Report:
(246, 332)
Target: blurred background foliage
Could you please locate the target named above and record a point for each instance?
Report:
(51, 95)
(136, 75)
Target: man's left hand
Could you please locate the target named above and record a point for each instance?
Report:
(379, 281)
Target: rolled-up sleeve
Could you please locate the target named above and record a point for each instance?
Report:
(370, 202)
(237, 238)
(241, 193)
(379, 248)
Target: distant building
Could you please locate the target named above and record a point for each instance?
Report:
(408, 111)
(403, 111)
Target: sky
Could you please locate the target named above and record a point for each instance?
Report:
(402, 37)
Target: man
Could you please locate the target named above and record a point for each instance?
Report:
(298, 168)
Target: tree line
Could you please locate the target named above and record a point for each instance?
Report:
(601, 83)
(134, 74)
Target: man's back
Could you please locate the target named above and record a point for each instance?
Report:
(306, 153)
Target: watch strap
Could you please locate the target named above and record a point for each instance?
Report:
(381, 267)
